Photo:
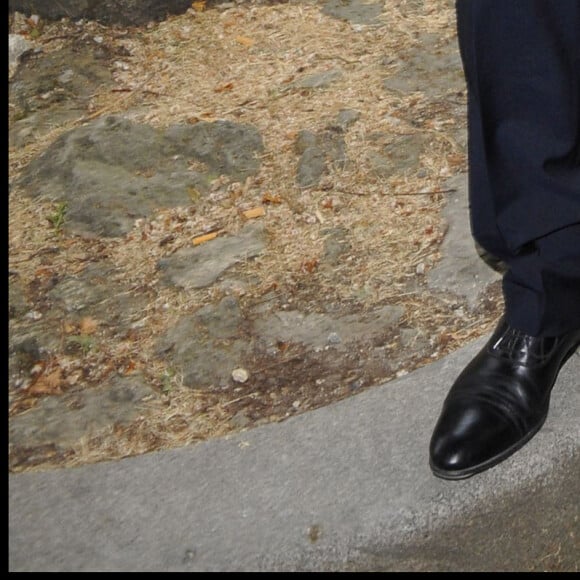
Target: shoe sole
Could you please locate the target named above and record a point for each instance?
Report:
(466, 473)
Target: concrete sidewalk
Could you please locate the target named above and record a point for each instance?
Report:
(346, 487)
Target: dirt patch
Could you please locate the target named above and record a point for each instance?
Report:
(346, 238)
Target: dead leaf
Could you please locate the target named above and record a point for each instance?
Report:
(254, 212)
(271, 198)
(282, 346)
(224, 88)
(88, 325)
(456, 160)
(199, 5)
(48, 384)
(69, 327)
(166, 240)
(43, 272)
(194, 195)
(130, 367)
(309, 265)
(205, 238)
(245, 41)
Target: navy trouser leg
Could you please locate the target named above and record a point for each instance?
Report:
(522, 66)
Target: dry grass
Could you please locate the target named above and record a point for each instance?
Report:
(239, 64)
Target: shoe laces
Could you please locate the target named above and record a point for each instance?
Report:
(518, 347)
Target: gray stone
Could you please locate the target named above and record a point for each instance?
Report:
(65, 420)
(318, 153)
(113, 171)
(347, 117)
(18, 304)
(461, 270)
(354, 11)
(313, 329)
(200, 266)
(221, 321)
(95, 293)
(305, 140)
(125, 12)
(399, 155)
(207, 346)
(100, 172)
(336, 244)
(311, 167)
(227, 148)
(17, 46)
(38, 85)
(429, 68)
(318, 80)
(91, 293)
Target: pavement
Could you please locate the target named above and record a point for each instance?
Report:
(342, 488)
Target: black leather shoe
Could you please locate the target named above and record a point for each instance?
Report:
(499, 401)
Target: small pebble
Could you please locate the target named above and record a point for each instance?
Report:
(240, 375)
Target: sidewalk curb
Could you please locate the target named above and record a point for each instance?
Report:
(345, 487)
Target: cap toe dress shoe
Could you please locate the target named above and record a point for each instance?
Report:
(499, 401)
